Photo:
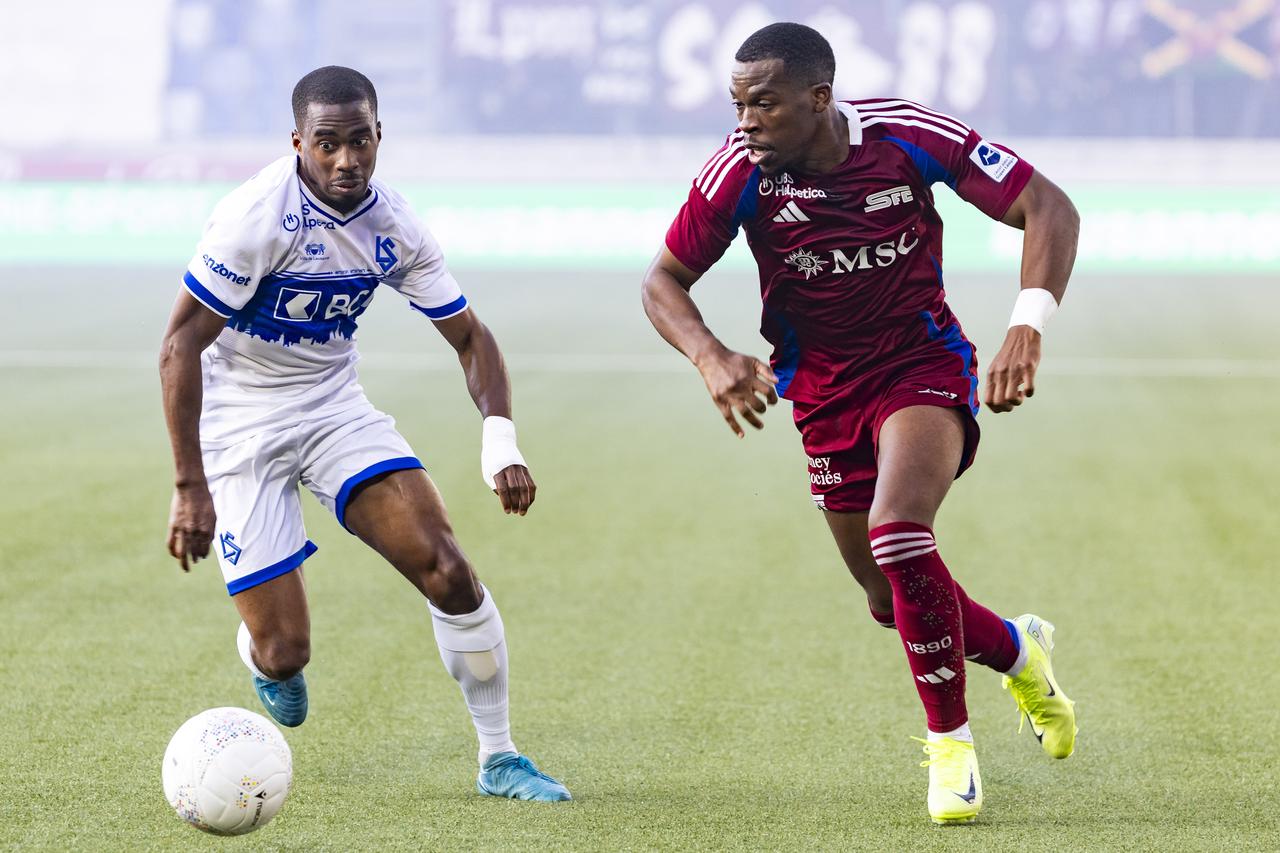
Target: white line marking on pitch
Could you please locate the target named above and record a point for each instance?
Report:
(1171, 368)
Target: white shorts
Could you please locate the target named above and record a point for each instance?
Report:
(259, 533)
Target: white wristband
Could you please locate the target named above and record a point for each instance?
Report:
(1034, 307)
(498, 449)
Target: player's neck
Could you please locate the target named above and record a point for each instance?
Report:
(830, 146)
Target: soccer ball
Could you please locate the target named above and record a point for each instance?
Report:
(227, 771)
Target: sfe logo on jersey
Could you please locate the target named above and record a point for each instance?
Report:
(218, 269)
(785, 186)
(885, 254)
(887, 198)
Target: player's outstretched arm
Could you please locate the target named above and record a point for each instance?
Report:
(1052, 229)
(739, 384)
(503, 467)
(192, 328)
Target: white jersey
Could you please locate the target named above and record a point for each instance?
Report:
(292, 275)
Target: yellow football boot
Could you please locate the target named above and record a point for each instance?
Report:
(955, 787)
(1040, 699)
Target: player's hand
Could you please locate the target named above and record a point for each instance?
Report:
(191, 522)
(740, 385)
(514, 486)
(1011, 377)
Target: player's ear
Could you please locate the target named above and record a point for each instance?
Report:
(821, 95)
(297, 141)
(377, 129)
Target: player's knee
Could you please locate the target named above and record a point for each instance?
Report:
(906, 508)
(282, 657)
(449, 581)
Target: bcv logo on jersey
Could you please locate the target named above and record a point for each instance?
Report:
(384, 252)
(305, 305)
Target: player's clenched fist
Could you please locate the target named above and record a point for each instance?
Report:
(1012, 375)
(739, 385)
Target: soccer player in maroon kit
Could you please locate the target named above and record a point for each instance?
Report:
(836, 201)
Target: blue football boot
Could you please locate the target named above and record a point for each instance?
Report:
(285, 701)
(509, 774)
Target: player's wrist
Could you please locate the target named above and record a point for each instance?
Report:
(498, 450)
(708, 354)
(1033, 307)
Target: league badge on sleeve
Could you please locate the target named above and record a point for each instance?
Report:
(991, 160)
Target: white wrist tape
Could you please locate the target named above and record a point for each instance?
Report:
(1034, 307)
(498, 448)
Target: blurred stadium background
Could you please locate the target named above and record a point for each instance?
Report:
(688, 653)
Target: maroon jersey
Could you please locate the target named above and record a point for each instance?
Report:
(850, 261)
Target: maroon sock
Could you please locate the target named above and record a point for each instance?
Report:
(927, 613)
(884, 620)
(987, 639)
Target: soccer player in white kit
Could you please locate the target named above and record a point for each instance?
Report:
(261, 395)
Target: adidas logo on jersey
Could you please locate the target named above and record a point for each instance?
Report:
(791, 212)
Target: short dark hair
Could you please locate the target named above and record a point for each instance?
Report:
(805, 54)
(332, 84)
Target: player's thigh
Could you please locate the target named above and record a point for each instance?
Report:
(850, 532)
(919, 452)
(402, 516)
(277, 617)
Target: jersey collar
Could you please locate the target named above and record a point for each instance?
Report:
(855, 121)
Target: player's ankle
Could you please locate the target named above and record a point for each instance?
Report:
(960, 733)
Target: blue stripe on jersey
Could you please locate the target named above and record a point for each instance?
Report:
(954, 341)
(275, 570)
(748, 201)
(289, 310)
(202, 293)
(400, 463)
(937, 268)
(442, 312)
(349, 219)
(930, 169)
(788, 354)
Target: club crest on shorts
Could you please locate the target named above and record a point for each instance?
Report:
(806, 262)
(230, 550)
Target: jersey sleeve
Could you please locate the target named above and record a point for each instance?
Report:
(425, 280)
(236, 250)
(986, 174)
(707, 223)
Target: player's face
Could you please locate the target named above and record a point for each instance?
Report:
(780, 116)
(337, 148)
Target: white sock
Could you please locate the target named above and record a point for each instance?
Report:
(242, 645)
(1021, 661)
(474, 650)
(962, 734)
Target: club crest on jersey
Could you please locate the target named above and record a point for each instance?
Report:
(384, 252)
(314, 251)
(992, 161)
(806, 262)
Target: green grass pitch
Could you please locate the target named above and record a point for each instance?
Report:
(687, 651)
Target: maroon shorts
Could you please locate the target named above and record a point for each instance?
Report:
(841, 434)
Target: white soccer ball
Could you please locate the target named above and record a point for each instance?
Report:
(227, 771)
